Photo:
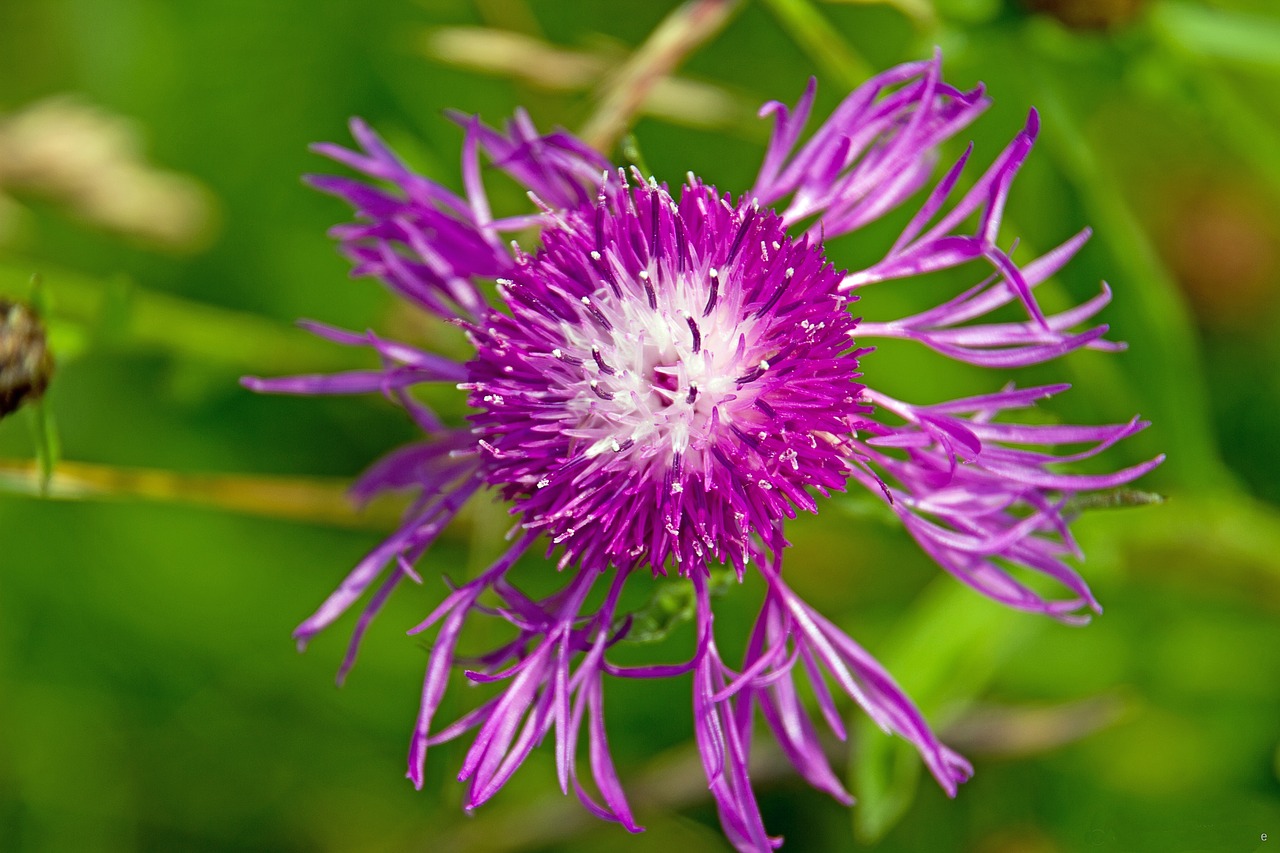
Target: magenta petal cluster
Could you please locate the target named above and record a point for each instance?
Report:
(668, 377)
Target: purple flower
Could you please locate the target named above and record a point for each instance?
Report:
(669, 376)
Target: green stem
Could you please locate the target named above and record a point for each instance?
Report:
(680, 33)
(44, 433)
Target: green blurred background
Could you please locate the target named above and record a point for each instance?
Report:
(150, 697)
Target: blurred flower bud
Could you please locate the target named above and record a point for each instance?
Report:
(26, 365)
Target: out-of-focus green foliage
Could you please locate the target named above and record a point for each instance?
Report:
(150, 698)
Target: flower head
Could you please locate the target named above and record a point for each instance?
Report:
(670, 375)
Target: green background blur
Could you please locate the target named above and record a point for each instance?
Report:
(150, 696)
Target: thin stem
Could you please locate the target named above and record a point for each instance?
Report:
(311, 499)
(44, 433)
(680, 33)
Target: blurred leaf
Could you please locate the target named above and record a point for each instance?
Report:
(66, 339)
(815, 35)
(124, 312)
(1235, 534)
(921, 12)
(1181, 408)
(1221, 34)
(948, 647)
(968, 11)
(1234, 121)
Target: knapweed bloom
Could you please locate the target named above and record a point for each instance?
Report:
(670, 375)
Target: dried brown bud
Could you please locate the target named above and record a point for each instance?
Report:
(26, 365)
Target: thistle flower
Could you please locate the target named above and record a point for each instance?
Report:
(664, 381)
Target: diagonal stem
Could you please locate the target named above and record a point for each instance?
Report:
(680, 33)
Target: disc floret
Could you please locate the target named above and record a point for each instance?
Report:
(671, 378)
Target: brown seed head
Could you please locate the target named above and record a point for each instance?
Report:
(26, 365)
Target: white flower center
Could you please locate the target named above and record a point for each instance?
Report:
(670, 363)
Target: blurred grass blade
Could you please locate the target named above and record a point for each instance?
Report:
(1236, 122)
(885, 778)
(948, 648)
(1221, 34)
(119, 310)
(44, 433)
(1020, 731)
(1170, 348)
(631, 153)
(37, 296)
(1238, 536)
(516, 56)
(921, 12)
(679, 34)
(815, 35)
